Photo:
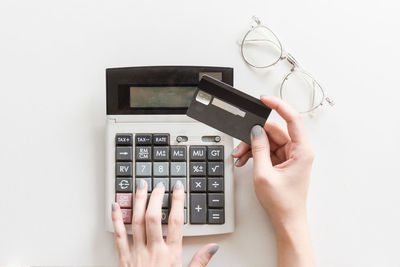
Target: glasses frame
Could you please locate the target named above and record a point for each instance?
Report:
(295, 66)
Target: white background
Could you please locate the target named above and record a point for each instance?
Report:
(53, 56)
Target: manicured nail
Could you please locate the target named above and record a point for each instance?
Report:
(234, 150)
(256, 131)
(213, 249)
(178, 185)
(142, 184)
(114, 206)
(160, 184)
(237, 161)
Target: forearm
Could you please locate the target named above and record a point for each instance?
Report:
(294, 243)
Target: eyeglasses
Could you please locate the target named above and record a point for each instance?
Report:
(261, 49)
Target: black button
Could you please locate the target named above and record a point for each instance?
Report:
(215, 184)
(216, 200)
(216, 216)
(197, 169)
(215, 152)
(123, 139)
(123, 184)
(197, 184)
(161, 139)
(143, 139)
(198, 209)
(197, 152)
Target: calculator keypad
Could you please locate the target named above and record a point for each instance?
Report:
(155, 161)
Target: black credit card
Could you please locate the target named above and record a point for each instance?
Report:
(227, 109)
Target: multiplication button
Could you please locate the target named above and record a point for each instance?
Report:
(198, 184)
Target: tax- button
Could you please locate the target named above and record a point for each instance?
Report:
(143, 139)
(215, 153)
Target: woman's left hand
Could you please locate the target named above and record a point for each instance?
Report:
(149, 247)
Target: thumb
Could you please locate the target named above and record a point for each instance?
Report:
(203, 255)
(260, 150)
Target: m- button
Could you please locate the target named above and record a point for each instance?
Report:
(215, 153)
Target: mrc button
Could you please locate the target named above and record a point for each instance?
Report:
(143, 139)
(161, 139)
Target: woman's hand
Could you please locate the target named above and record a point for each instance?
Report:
(281, 173)
(149, 247)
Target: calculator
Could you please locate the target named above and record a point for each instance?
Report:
(149, 137)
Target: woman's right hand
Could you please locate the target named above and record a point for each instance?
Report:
(282, 164)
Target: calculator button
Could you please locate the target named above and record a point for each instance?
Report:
(198, 209)
(178, 153)
(178, 168)
(123, 139)
(124, 169)
(124, 153)
(216, 216)
(215, 168)
(164, 216)
(143, 169)
(215, 184)
(175, 179)
(143, 153)
(185, 216)
(216, 200)
(161, 139)
(148, 181)
(215, 152)
(123, 184)
(197, 169)
(198, 184)
(124, 200)
(161, 169)
(197, 152)
(143, 139)
(165, 181)
(161, 153)
(127, 215)
(165, 201)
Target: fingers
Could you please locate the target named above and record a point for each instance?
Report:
(260, 150)
(153, 216)
(240, 150)
(203, 256)
(121, 238)
(276, 135)
(239, 162)
(295, 125)
(176, 217)
(138, 220)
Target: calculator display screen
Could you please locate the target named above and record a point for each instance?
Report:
(161, 96)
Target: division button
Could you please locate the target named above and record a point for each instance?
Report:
(127, 215)
(148, 181)
(143, 169)
(124, 200)
(124, 168)
(143, 139)
(197, 169)
(143, 153)
(198, 209)
(198, 184)
(216, 216)
(161, 153)
(123, 184)
(216, 200)
(215, 184)
(215, 168)
(161, 139)
(123, 139)
(124, 153)
(215, 152)
(178, 153)
(197, 152)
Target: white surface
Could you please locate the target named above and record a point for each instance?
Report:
(52, 111)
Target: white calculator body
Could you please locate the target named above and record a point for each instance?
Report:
(149, 137)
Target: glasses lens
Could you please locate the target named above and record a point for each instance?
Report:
(301, 91)
(261, 48)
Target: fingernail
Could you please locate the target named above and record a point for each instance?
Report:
(114, 206)
(213, 249)
(234, 150)
(160, 184)
(256, 131)
(178, 185)
(237, 161)
(142, 184)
